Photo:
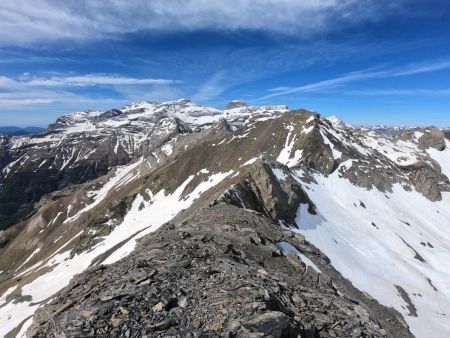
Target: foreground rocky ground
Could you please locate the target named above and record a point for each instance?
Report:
(224, 271)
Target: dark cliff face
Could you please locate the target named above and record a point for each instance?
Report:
(46, 171)
(223, 271)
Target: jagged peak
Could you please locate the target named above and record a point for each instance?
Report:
(336, 122)
(82, 114)
(139, 105)
(235, 104)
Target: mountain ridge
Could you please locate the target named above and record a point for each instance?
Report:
(306, 174)
(20, 131)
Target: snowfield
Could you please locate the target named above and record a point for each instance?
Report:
(383, 242)
(146, 215)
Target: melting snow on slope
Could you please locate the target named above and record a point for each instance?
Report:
(442, 157)
(401, 152)
(29, 258)
(398, 238)
(288, 247)
(159, 209)
(121, 176)
(251, 161)
(285, 155)
(279, 174)
(138, 221)
(23, 330)
(336, 153)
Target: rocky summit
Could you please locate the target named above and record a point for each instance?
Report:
(180, 220)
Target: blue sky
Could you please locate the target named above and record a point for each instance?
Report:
(366, 61)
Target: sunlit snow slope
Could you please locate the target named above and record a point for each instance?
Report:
(393, 245)
(382, 202)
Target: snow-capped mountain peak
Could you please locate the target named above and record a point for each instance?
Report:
(377, 206)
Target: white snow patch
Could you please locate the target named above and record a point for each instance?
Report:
(288, 247)
(285, 155)
(167, 149)
(29, 258)
(377, 257)
(160, 209)
(123, 174)
(442, 157)
(307, 130)
(6, 294)
(310, 119)
(140, 221)
(402, 153)
(336, 153)
(280, 174)
(23, 330)
(250, 161)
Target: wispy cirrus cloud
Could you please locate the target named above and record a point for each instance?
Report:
(423, 67)
(14, 102)
(325, 84)
(41, 98)
(64, 90)
(367, 74)
(23, 22)
(399, 92)
(87, 80)
(212, 88)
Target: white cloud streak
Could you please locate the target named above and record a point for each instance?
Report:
(212, 88)
(419, 68)
(24, 22)
(32, 91)
(79, 81)
(14, 103)
(341, 81)
(399, 92)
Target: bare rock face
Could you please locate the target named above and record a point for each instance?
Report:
(164, 130)
(367, 175)
(235, 104)
(219, 273)
(428, 180)
(432, 138)
(268, 188)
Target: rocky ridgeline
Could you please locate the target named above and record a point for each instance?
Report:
(221, 272)
(227, 274)
(380, 162)
(80, 147)
(83, 146)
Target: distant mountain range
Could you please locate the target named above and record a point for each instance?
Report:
(178, 219)
(18, 131)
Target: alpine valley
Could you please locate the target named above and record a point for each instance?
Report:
(179, 220)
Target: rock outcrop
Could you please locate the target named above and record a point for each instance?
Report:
(223, 272)
(268, 188)
(432, 138)
(235, 104)
(240, 190)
